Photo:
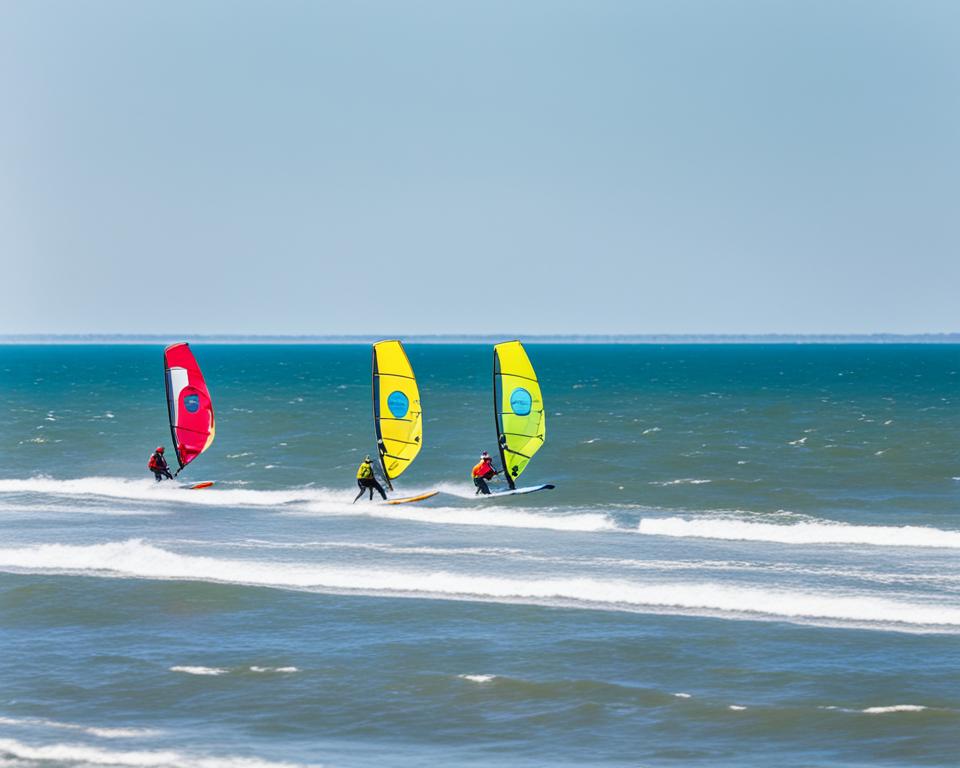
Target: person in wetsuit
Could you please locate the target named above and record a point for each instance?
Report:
(482, 472)
(367, 480)
(158, 465)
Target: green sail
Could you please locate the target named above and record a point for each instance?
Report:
(518, 407)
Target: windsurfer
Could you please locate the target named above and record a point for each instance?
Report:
(367, 480)
(158, 465)
(482, 472)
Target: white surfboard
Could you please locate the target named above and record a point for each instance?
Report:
(518, 491)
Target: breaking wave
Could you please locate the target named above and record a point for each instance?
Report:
(134, 558)
(819, 532)
(308, 501)
(81, 756)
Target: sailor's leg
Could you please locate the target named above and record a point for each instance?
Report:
(379, 487)
(482, 485)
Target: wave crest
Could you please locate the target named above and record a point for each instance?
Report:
(136, 559)
(820, 532)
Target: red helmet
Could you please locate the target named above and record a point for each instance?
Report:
(159, 449)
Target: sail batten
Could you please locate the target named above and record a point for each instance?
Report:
(397, 413)
(189, 407)
(517, 407)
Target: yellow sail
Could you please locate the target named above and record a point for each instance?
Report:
(518, 407)
(396, 409)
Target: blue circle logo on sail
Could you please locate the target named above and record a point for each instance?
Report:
(192, 403)
(521, 402)
(399, 404)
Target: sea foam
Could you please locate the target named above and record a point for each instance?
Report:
(92, 730)
(479, 516)
(151, 491)
(83, 755)
(213, 671)
(311, 501)
(820, 532)
(477, 678)
(134, 558)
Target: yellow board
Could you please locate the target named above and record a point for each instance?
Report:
(396, 408)
(407, 500)
(518, 404)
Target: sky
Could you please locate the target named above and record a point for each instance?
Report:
(422, 167)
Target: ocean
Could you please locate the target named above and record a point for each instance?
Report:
(750, 559)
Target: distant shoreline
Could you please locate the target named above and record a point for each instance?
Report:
(878, 338)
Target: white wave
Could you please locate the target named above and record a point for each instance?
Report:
(477, 678)
(274, 669)
(480, 516)
(736, 708)
(308, 500)
(680, 481)
(894, 708)
(52, 508)
(200, 670)
(152, 491)
(105, 733)
(682, 695)
(136, 559)
(513, 553)
(82, 756)
(802, 533)
(391, 549)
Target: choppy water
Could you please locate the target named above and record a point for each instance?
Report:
(751, 558)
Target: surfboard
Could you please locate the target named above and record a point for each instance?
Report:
(518, 491)
(203, 484)
(410, 499)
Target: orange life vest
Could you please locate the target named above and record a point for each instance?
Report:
(483, 468)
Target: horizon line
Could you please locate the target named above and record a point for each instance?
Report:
(455, 338)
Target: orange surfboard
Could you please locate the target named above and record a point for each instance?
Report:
(409, 499)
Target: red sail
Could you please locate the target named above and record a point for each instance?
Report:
(189, 404)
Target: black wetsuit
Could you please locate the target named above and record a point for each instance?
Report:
(481, 482)
(372, 484)
(368, 482)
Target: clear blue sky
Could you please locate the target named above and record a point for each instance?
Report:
(503, 167)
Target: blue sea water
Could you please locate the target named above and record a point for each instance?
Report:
(750, 558)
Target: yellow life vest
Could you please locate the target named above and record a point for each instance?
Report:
(365, 471)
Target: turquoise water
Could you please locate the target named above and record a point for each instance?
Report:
(750, 557)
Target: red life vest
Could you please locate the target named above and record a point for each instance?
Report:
(485, 467)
